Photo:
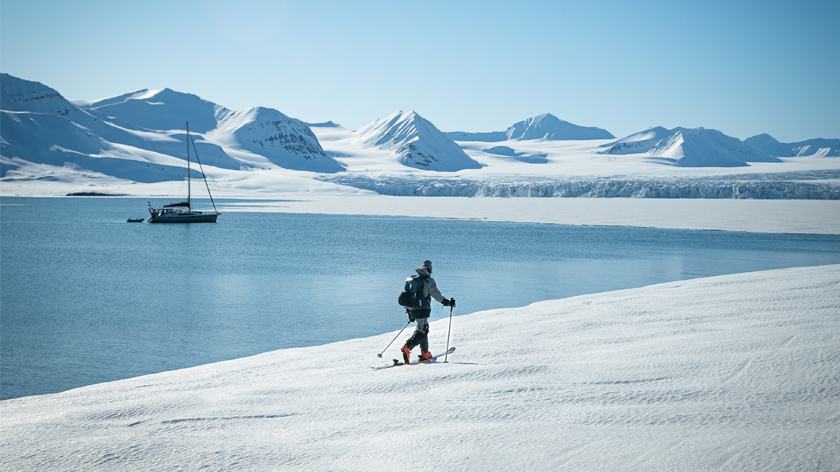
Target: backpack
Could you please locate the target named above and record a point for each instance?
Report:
(412, 295)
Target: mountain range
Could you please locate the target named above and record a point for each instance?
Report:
(140, 136)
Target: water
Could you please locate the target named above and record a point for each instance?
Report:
(86, 297)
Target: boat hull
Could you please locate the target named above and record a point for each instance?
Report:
(186, 217)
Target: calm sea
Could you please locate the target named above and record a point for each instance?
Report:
(86, 297)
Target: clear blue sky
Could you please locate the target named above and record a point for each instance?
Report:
(743, 67)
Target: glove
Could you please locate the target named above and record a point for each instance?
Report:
(450, 302)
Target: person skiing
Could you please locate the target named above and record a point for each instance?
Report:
(421, 316)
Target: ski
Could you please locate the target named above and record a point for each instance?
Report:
(397, 362)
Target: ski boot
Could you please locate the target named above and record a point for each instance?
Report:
(425, 356)
(406, 353)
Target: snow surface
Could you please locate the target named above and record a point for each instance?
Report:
(505, 151)
(737, 372)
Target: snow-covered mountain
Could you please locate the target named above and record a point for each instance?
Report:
(163, 110)
(416, 142)
(140, 136)
(545, 126)
(39, 126)
(548, 126)
(689, 148)
(286, 142)
(811, 147)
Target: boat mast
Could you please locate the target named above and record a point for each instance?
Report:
(189, 207)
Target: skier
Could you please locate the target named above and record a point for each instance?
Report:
(421, 316)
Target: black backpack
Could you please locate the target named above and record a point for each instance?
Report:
(412, 295)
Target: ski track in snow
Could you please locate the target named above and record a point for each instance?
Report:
(739, 372)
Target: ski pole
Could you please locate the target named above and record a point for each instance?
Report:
(395, 338)
(446, 357)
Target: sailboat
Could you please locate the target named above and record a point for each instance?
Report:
(182, 212)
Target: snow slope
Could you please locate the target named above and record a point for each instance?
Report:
(416, 143)
(690, 148)
(811, 147)
(545, 126)
(737, 372)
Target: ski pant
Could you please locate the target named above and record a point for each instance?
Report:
(420, 336)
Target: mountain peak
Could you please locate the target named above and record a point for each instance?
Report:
(549, 127)
(416, 141)
(25, 95)
(545, 126)
(158, 109)
(286, 142)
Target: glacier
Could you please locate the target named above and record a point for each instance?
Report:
(794, 185)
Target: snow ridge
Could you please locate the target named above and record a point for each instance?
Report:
(416, 142)
(19, 95)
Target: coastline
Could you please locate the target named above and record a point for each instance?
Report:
(752, 216)
(661, 375)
